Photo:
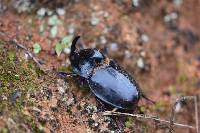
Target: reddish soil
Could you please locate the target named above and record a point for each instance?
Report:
(171, 54)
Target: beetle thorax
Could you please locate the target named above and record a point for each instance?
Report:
(85, 61)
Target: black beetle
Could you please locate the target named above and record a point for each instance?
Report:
(106, 79)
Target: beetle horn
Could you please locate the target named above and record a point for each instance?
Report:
(74, 42)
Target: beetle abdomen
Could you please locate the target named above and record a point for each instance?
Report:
(114, 88)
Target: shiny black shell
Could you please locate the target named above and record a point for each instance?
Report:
(108, 82)
(114, 87)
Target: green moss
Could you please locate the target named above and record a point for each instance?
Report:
(130, 122)
(17, 79)
(157, 106)
(64, 69)
(172, 89)
(4, 130)
(2, 43)
(142, 109)
(11, 55)
(181, 78)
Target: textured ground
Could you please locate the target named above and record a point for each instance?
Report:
(157, 42)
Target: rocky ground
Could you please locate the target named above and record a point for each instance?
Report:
(157, 42)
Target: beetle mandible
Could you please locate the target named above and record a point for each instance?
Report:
(106, 79)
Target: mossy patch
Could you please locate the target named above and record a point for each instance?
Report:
(130, 123)
(17, 80)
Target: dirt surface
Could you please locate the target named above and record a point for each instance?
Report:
(157, 42)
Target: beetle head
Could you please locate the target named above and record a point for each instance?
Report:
(83, 61)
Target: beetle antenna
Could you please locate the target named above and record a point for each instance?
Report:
(74, 42)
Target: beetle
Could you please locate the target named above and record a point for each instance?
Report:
(106, 79)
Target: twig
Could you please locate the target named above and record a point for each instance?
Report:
(27, 51)
(15, 42)
(172, 117)
(196, 114)
(110, 113)
(107, 113)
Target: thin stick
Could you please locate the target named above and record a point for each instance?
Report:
(27, 51)
(196, 114)
(172, 117)
(110, 113)
(15, 42)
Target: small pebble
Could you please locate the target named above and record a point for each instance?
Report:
(143, 53)
(103, 40)
(105, 14)
(53, 20)
(140, 63)
(71, 29)
(60, 11)
(53, 31)
(49, 12)
(89, 131)
(171, 16)
(96, 124)
(177, 2)
(67, 50)
(94, 20)
(41, 28)
(23, 5)
(70, 101)
(105, 30)
(4, 97)
(41, 12)
(95, 7)
(136, 3)
(127, 54)
(144, 38)
(114, 46)
(61, 90)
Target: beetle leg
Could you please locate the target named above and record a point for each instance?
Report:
(101, 106)
(149, 100)
(65, 74)
(113, 64)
